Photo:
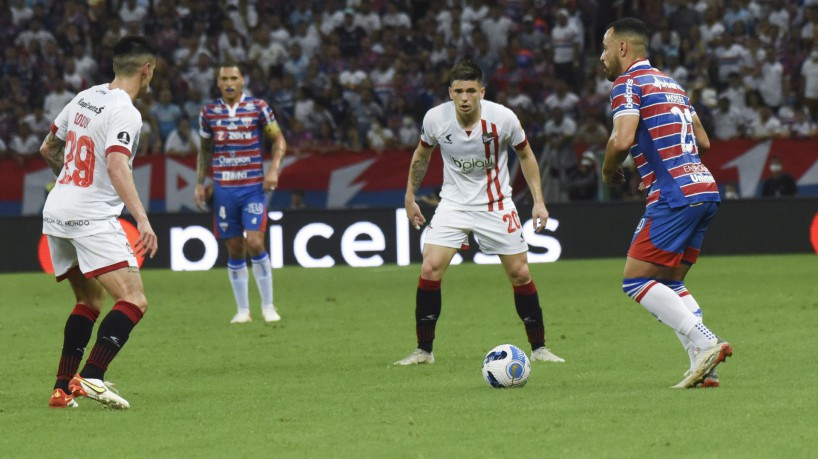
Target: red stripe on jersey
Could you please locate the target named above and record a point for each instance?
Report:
(426, 145)
(664, 130)
(488, 171)
(522, 144)
(117, 149)
(500, 196)
(54, 128)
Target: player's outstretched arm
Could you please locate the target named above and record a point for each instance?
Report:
(203, 160)
(702, 140)
(417, 171)
(279, 149)
(622, 137)
(53, 151)
(531, 172)
(121, 178)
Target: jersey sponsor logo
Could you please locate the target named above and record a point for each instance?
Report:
(241, 160)
(702, 178)
(222, 136)
(660, 84)
(82, 103)
(123, 137)
(629, 93)
(234, 175)
(470, 164)
(675, 99)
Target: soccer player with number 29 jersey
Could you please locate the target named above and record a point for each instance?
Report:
(654, 121)
(91, 148)
(232, 130)
(474, 136)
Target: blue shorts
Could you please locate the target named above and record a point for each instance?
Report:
(238, 208)
(668, 236)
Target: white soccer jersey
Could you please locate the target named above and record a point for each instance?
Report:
(475, 164)
(97, 122)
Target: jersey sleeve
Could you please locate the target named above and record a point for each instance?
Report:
(124, 127)
(517, 137)
(204, 125)
(60, 125)
(427, 136)
(626, 97)
(265, 114)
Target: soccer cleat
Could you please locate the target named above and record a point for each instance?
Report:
(417, 357)
(99, 391)
(711, 380)
(542, 354)
(241, 318)
(270, 314)
(60, 399)
(706, 362)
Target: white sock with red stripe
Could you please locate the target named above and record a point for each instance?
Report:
(692, 306)
(661, 301)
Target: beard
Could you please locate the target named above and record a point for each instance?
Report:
(612, 71)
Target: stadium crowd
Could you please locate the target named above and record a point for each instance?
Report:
(360, 74)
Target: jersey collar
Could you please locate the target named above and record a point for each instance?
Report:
(641, 64)
(231, 109)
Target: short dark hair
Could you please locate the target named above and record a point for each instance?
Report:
(228, 64)
(466, 70)
(131, 52)
(631, 26)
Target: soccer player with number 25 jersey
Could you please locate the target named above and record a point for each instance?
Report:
(474, 136)
(231, 128)
(654, 122)
(91, 148)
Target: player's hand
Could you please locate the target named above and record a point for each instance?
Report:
(617, 177)
(414, 214)
(539, 217)
(271, 180)
(147, 244)
(199, 197)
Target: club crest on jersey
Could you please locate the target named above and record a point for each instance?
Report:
(123, 137)
(247, 121)
(488, 137)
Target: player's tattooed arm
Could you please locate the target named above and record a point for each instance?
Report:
(53, 151)
(417, 172)
(203, 160)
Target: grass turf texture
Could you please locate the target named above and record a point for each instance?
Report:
(321, 384)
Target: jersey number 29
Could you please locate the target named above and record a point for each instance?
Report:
(79, 160)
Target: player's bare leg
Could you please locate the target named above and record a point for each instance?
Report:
(436, 260)
(79, 326)
(239, 278)
(527, 303)
(262, 272)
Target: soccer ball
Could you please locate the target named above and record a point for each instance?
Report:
(506, 366)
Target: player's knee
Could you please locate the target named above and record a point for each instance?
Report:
(429, 271)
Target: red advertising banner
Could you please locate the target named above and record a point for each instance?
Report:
(367, 179)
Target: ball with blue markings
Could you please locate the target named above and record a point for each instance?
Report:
(506, 366)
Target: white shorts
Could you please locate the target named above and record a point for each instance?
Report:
(498, 232)
(95, 254)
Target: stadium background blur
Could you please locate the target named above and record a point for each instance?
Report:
(360, 74)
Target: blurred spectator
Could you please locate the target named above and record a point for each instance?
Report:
(24, 144)
(133, 14)
(86, 65)
(498, 26)
(591, 133)
(382, 78)
(183, 140)
(297, 200)
(736, 92)
(665, 40)
(730, 56)
(202, 77)
(367, 114)
(730, 124)
(766, 126)
(802, 126)
(713, 28)
(769, 78)
(559, 153)
(583, 182)
(408, 134)
(530, 37)
(730, 192)
(57, 98)
(809, 81)
(393, 17)
(562, 98)
(779, 183)
(565, 39)
(37, 122)
(166, 113)
(379, 137)
(20, 12)
(231, 44)
(297, 63)
(350, 35)
(34, 32)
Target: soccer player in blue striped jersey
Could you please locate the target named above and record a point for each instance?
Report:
(231, 129)
(654, 122)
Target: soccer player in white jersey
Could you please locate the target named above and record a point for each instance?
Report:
(91, 148)
(474, 136)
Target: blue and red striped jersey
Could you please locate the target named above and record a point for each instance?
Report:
(237, 134)
(665, 149)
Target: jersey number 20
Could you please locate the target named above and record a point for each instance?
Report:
(79, 160)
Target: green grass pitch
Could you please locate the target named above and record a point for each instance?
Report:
(321, 382)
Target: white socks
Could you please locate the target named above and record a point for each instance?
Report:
(239, 277)
(264, 279)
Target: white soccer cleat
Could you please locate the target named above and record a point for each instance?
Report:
(241, 318)
(270, 314)
(99, 391)
(542, 354)
(417, 357)
(706, 361)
